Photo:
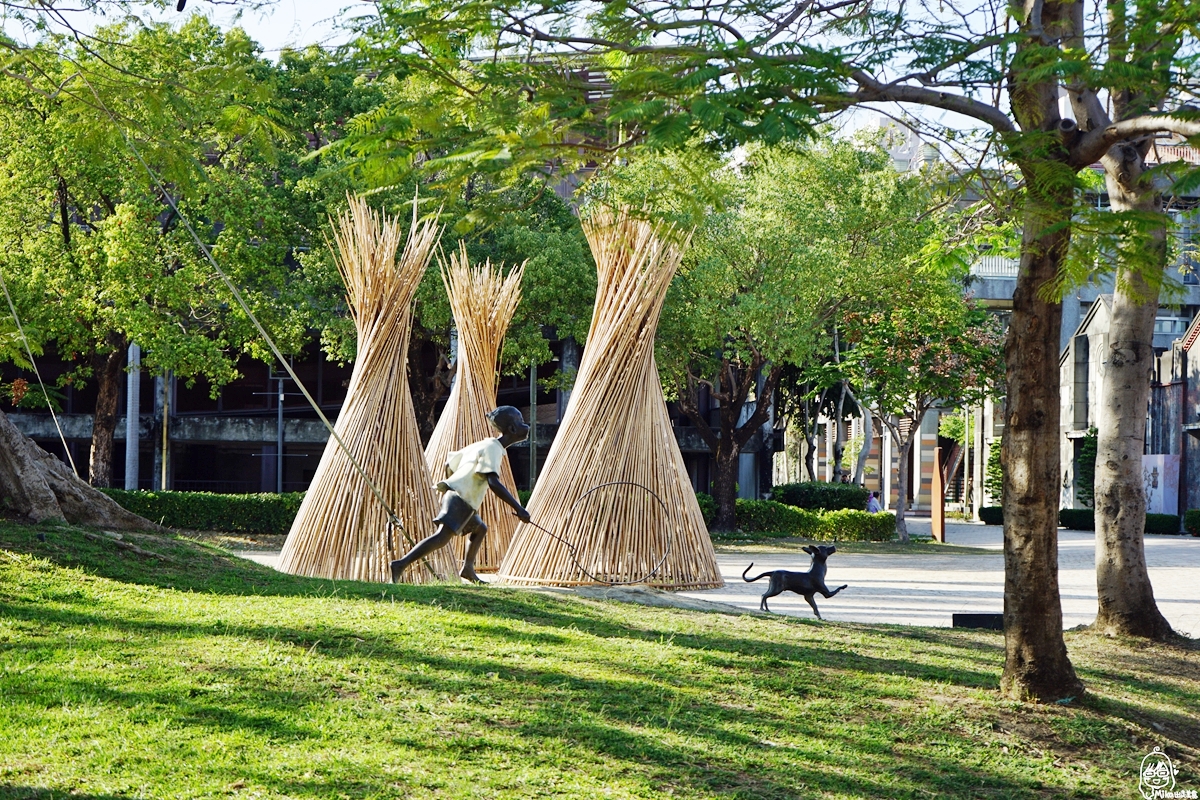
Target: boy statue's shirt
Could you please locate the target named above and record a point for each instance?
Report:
(470, 468)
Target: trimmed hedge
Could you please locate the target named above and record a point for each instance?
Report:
(821, 496)
(778, 519)
(205, 511)
(848, 525)
(772, 517)
(1162, 523)
(1191, 521)
(992, 515)
(1077, 519)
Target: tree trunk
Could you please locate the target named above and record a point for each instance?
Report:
(41, 487)
(429, 376)
(107, 370)
(725, 486)
(1036, 663)
(868, 434)
(839, 439)
(903, 465)
(1126, 598)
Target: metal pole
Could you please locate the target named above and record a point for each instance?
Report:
(533, 440)
(279, 441)
(133, 410)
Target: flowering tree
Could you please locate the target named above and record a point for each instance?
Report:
(912, 358)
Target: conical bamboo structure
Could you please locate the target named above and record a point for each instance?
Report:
(616, 429)
(483, 301)
(341, 530)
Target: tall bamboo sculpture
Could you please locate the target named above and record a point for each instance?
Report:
(483, 301)
(614, 485)
(342, 530)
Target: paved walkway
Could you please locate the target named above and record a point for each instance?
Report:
(926, 590)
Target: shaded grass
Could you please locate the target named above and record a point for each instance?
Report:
(210, 676)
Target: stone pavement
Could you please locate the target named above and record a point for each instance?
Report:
(926, 590)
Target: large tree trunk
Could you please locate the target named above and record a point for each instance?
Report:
(42, 487)
(1036, 663)
(107, 370)
(725, 487)
(1126, 597)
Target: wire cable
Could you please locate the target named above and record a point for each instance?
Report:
(393, 519)
(575, 553)
(29, 351)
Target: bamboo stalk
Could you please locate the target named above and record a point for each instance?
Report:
(616, 428)
(483, 301)
(341, 529)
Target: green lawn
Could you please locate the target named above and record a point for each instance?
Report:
(204, 675)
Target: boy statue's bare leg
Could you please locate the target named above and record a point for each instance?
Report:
(439, 539)
(477, 531)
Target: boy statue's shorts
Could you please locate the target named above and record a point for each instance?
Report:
(457, 514)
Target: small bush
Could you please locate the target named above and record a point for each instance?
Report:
(1162, 523)
(523, 495)
(708, 507)
(992, 515)
(817, 495)
(205, 511)
(1191, 521)
(1078, 519)
(857, 526)
(768, 516)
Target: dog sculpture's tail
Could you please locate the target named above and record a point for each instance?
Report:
(752, 580)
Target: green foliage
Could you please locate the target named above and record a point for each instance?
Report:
(991, 515)
(777, 519)
(1191, 521)
(821, 495)
(708, 507)
(953, 427)
(1077, 519)
(1162, 523)
(1085, 468)
(205, 511)
(768, 515)
(993, 473)
(109, 262)
(849, 525)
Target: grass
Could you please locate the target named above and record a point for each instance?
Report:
(203, 675)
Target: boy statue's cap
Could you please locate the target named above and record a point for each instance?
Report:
(507, 418)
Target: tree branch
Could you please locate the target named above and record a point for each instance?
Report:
(1094, 144)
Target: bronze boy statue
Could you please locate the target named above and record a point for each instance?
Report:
(469, 474)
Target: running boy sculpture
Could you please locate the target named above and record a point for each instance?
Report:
(470, 472)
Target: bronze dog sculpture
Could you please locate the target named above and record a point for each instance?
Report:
(802, 583)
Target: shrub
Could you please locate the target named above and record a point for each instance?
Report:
(847, 525)
(523, 495)
(708, 507)
(992, 515)
(205, 511)
(1078, 519)
(817, 495)
(768, 516)
(1191, 521)
(1162, 523)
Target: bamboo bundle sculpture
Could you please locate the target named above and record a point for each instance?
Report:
(483, 301)
(341, 530)
(616, 429)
